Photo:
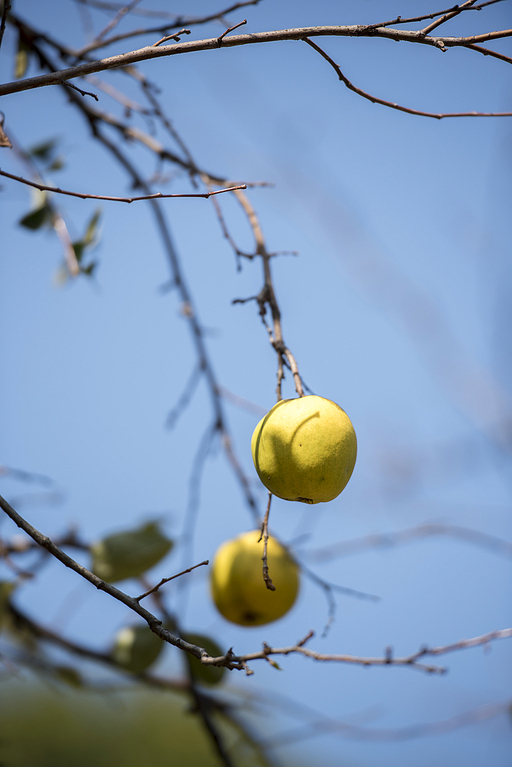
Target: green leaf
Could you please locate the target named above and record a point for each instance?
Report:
(129, 554)
(274, 664)
(205, 674)
(136, 648)
(37, 218)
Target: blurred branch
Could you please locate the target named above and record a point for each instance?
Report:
(335, 727)
(385, 540)
(178, 22)
(25, 476)
(121, 13)
(83, 196)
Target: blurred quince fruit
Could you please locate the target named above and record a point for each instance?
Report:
(305, 449)
(237, 585)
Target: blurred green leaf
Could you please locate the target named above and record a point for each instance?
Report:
(78, 247)
(136, 648)
(6, 589)
(89, 269)
(37, 218)
(70, 676)
(21, 60)
(44, 150)
(42, 728)
(129, 554)
(205, 674)
(56, 164)
(91, 232)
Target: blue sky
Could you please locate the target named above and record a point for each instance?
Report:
(397, 307)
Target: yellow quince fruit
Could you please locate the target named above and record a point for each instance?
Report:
(305, 449)
(237, 585)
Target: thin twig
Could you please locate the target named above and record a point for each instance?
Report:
(385, 540)
(79, 90)
(373, 734)
(115, 21)
(83, 196)
(446, 16)
(264, 534)
(328, 588)
(231, 29)
(176, 37)
(185, 398)
(166, 580)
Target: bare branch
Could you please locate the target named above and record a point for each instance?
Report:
(150, 52)
(394, 105)
(446, 16)
(230, 660)
(354, 732)
(83, 196)
(345, 548)
(175, 37)
(264, 534)
(46, 543)
(115, 21)
(166, 580)
(231, 29)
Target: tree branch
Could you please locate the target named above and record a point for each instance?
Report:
(394, 105)
(240, 662)
(300, 33)
(83, 196)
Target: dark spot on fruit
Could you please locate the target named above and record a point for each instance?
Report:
(250, 617)
(304, 500)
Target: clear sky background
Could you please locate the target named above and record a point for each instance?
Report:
(398, 307)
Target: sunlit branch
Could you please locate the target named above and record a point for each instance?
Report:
(150, 52)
